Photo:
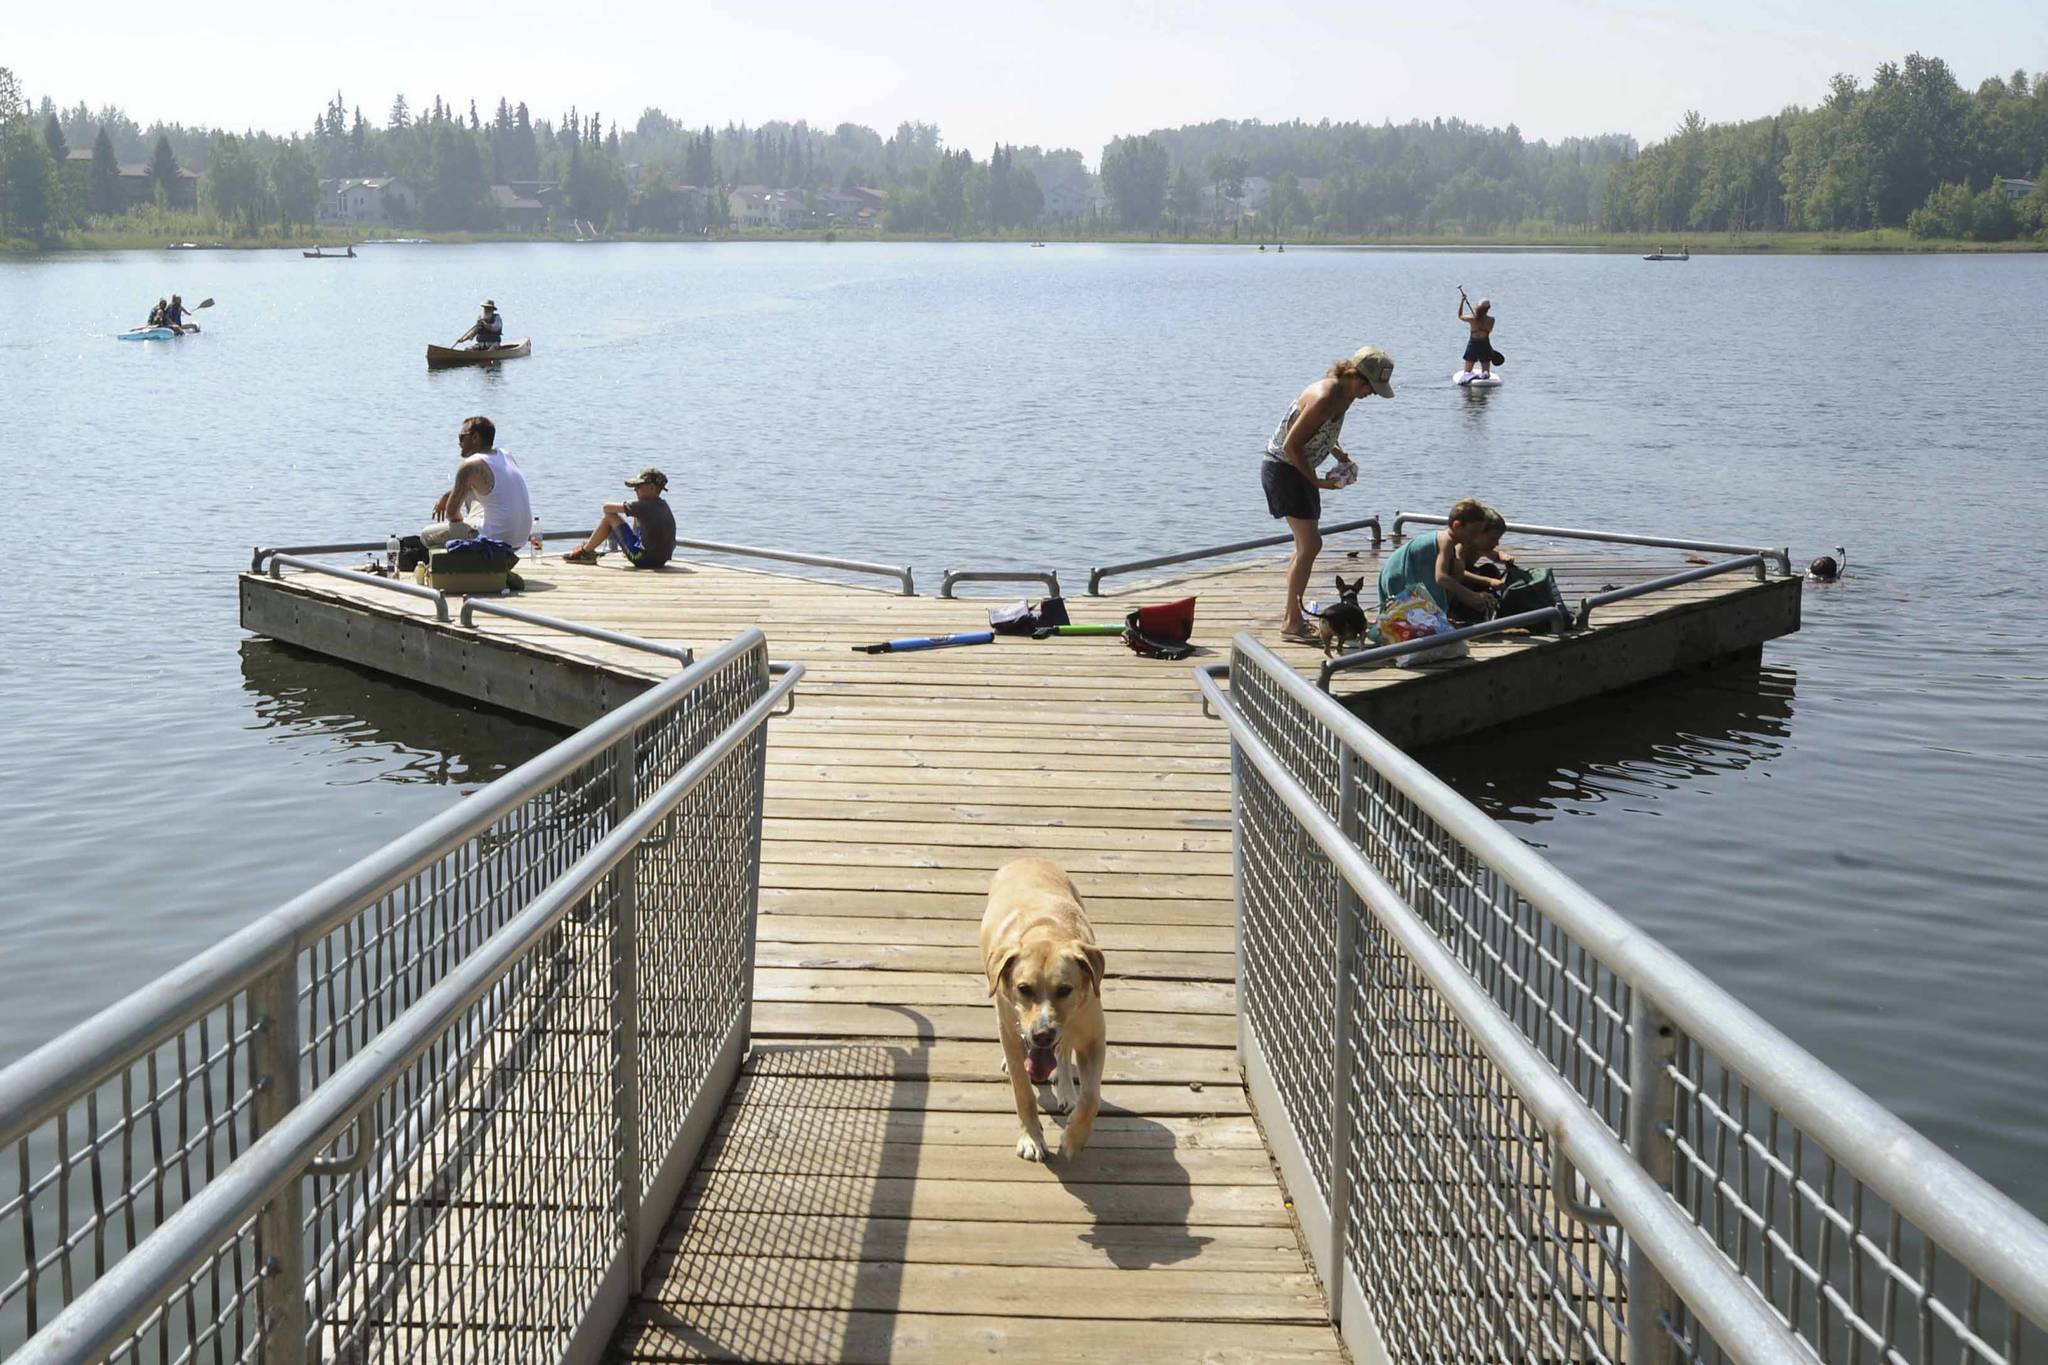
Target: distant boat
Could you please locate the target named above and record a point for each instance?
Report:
(320, 253)
(442, 357)
(199, 246)
(1660, 254)
(398, 241)
(1038, 244)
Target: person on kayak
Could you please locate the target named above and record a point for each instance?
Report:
(156, 314)
(174, 314)
(488, 331)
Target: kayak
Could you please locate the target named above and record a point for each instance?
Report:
(439, 357)
(156, 333)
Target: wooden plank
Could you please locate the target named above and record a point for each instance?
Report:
(990, 1201)
(826, 986)
(845, 1064)
(989, 1096)
(949, 1242)
(969, 903)
(1211, 1296)
(1112, 1131)
(974, 881)
(969, 857)
(783, 1019)
(804, 1154)
(1125, 964)
(779, 928)
(705, 1333)
(871, 829)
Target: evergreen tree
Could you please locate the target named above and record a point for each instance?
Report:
(163, 167)
(295, 187)
(31, 197)
(525, 156)
(104, 193)
(401, 116)
(1134, 171)
(698, 167)
(53, 138)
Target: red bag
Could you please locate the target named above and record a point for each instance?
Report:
(1162, 632)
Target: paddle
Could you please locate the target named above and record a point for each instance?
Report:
(203, 303)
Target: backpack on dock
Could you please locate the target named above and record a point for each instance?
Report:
(1530, 590)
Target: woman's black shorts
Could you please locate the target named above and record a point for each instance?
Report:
(1287, 493)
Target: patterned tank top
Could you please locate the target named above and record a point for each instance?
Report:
(1318, 446)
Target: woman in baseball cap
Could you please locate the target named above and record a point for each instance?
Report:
(1305, 438)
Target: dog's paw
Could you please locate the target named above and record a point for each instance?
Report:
(1069, 1149)
(1031, 1148)
(1059, 1102)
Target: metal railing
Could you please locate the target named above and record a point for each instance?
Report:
(905, 581)
(1443, 1035)
(1584, 616)
(1560, 617)
(1780, 554)
(1049, 577)
(1095, 576)
(473, 605)
(279, 561)
(529, 1010)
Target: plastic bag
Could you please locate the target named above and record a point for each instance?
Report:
(1411, 616)
(1344, 472)
(1414, 616)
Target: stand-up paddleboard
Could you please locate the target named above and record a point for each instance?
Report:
(155, 333)
(1473, 379)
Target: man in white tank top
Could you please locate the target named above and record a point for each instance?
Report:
(488, 499)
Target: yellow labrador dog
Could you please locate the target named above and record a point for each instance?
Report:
(1045, 974)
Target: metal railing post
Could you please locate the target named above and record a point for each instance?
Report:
(1346, 909)
(280, 1227)
(626, 1003)
(1652, 1099)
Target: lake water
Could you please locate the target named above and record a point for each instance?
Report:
(1848, 838)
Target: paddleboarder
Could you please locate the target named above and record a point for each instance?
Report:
(1479, 350)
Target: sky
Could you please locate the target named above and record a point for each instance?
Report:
(1053, 73)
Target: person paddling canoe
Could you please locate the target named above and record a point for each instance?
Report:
(489, 329)
(174, 315)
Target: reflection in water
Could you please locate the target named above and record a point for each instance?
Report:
(1652, 739)
(416, 735)
(1475, 401)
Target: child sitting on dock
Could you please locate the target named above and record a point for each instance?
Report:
(650, 540)
(1442, 563)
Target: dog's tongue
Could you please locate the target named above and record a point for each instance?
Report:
(1039, 1065)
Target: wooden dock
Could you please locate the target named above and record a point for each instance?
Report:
(861, 1199)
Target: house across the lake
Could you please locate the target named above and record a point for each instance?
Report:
(2015, 188)
(374, 201)
(137, 187)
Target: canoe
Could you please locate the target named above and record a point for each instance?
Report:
(439, 357)
(157, 333)
(328, 255)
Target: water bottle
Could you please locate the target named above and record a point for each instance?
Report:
(533, 538)
(391, 552)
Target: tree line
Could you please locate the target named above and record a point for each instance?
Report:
(1911, 149)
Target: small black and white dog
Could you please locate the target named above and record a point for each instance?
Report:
(1342, 620)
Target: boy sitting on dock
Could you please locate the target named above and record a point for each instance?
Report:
(1441, 563)
(651, 538)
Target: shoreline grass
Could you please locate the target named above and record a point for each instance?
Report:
(1883, 241)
